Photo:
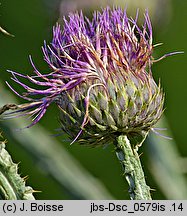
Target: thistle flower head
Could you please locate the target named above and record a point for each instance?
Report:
(101, 78)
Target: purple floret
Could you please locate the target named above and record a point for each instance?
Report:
(86, 51)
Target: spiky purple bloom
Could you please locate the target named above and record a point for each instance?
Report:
(101, 78)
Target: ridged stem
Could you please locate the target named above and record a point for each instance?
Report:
(133, 172)
(12, 186)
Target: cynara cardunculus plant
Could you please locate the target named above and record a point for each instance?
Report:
(101, 81)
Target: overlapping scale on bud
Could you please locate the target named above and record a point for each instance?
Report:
(101, 78)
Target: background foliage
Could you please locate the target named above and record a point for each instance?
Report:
(165, 166)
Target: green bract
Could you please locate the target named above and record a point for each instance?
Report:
(128, 107)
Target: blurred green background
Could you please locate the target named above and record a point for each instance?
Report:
(165, 165)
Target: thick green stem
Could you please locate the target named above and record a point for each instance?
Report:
(12, 186)
(133, 172)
